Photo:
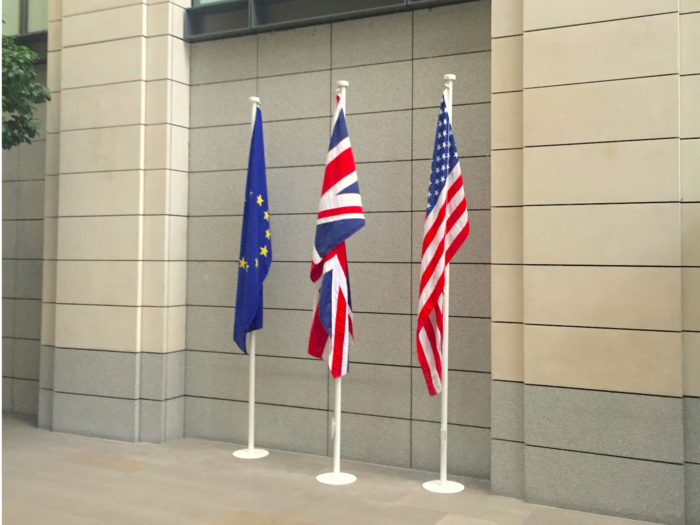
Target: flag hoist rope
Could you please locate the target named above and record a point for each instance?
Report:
(442, 485)
(251, 452)
(336, 477)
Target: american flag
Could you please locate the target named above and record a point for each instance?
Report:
(340, 215)
(446, 228)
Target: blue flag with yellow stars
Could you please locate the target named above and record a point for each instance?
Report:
(256, 243)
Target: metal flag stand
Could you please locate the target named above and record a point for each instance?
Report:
(336, 477)
(443, 485)
(251, 452)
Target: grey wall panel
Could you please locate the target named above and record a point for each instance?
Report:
(288, 285)
(473, 72)
(29, 278)
(10, 197)
(293, 429)
(468, 450)
(471, 21)
(381, 288)
(376, 390)
(294, 190)
(9, 238)
(25, 397)
(30, 204)
(26, 359)
(302, 95)
(386, 237)
(391, 130)
(382, 339)
(295, 51)
(9, 277)
(216, 419)
(372, 439)
(292, 382)
(206, 145)
(223, 60)
(7, 394)
(7, 356)
(103, 417)
(691, 420)
(284, 334)
(632, 488)
(28, 318)
(95, 372)
(30, 239)
(217, 193)
(210, 328)
(291, 237)
(45, 419)
(692, 494)
(385, 186)
(46, 367)
(628, 425)
(470, 289)
(222, 103)
(216, 283)
(161, 421)
(372, 40)
(508, 468)
(507, 411)
(8, 317)
(366, 98)
(213, 238)
(469, 402)
(217, 375)
(297, 142)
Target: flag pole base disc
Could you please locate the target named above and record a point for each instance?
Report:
(449, 487)
(246, 453)
(341, 478)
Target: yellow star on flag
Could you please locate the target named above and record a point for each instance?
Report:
(263, 250)
(268, 234)
(243, 263)
(256, 263)
(267, 216)
(260, 200)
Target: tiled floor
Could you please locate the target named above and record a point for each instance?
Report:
(57, 479)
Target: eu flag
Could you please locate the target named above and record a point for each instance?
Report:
(256, 246)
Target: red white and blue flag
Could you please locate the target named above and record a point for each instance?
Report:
(340, 215)
(446, 228)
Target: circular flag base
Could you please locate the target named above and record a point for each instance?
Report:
(341, 478)
(449, 487)
(246, 453)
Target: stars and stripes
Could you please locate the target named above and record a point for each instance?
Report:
(446, 228)
(340, 215)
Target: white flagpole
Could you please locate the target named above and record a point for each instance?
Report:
(251, 452)
(443, 485)
(336, 477)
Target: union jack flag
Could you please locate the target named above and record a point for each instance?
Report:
(446, 228)
(340, 215)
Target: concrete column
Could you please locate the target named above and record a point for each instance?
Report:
(602, 405)
(114, 324)
(690, 248)
(507, 447)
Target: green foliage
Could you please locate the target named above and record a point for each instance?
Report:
(21, 91)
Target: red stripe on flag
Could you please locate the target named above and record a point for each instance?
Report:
(339, 168)
(339, 339)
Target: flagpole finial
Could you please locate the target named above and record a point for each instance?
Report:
(254, 100)
(449, 77)
(342, 83)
